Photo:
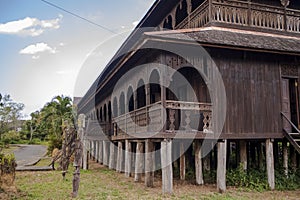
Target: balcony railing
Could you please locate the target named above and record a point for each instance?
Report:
(244, 14)
(180, 116)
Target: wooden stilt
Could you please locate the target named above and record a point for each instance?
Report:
(100, 152)
(270, 164)
(96, 151)
(293, 158)
(85, 155)
(105, 153)
(198, 163)
(221, 166)
(243, 154)
(149, 163)
(182, 161)
(138, 162)
(166, 163)
(112, 162)
(128, 158)
(260, 157)
(285, 157)
(119, 157)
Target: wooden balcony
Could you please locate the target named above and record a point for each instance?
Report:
(146, 122)
(243, 13)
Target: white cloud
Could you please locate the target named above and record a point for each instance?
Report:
(29, 26)
(37, 48)
(135, 23)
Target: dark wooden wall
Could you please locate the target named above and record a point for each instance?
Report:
(252, 82)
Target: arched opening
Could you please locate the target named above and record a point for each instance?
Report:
(109, 112)
(97, 114)
(141, 94)
(101, 115)
(181, 13)
(155, 89)
(122, 103)
(104, 113)
(196, 4)
(130, 99)
(115, 107)
(168, 23)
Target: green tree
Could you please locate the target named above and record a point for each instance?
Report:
(10, 114)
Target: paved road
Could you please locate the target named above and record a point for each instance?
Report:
(29, 154)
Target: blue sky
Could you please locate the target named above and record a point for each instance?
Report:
(44, 50)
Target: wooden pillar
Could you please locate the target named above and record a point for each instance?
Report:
(166, 164)
(100, 153)
(120, 157)
(221, 167)
(293, 156)
(138, 162)
(285, 157)
(128, 158)
(96, 150)
(270, 164)
(149, 163)
(243, 154)
(198, 163)
(85, 154)
(182, 161)
(105, 152)
(112, 161)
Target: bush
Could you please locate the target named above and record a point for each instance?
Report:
(11, 137)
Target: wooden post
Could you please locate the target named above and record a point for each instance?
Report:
(221, 167)
(120, 157)
(112, 162)
(138, 162)
(285, 157)
(166, 164)
(105, 152)
(182, 161)
(293, 155)
(127, 158)
(149, 163)
(243, 154)
(85, 154)
(198, 163)
(270, 164)
(97, 151)
(100, 153)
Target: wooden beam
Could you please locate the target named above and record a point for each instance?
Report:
(128, 158)
(243, 154)
(285, 157)
(138, 162)
(182, 161)
(149, 163)
(112, 162)
(120, 157)
(221, 168)
(270, 164)
(105, 152)
(100, 154)
(85, 154)
(198, 163)
(96, 151)
(166, 164)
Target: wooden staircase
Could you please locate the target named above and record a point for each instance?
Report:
(293, 137)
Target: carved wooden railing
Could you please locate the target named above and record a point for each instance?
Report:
(149, 118)
(245, 14)
(202, 111)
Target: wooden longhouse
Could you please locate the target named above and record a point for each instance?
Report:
(255, 45)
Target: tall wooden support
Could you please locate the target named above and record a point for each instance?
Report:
(85, 154)
(221, 168)
(270, 164)
(112, 162)
(100, 153)
(97, 151)
(285, 157)
(149, 163)
(198, 163)
(166, 164)
(105, 152)
(182, 161)
(128, 158)
(138, 162)
(120, 158)
(243, 154)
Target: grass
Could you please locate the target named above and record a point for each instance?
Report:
(102, 183)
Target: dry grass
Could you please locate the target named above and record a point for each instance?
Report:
(102, 183)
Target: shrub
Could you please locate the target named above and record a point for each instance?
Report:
(11, 137)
